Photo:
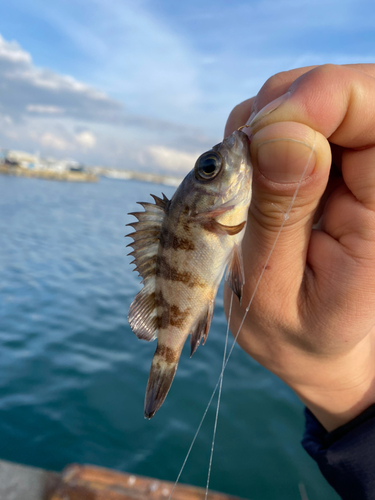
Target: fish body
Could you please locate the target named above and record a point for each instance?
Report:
(181, 249)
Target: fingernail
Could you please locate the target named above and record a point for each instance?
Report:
(251, 118)
(285, 160)
(246, 128)
(268, 109)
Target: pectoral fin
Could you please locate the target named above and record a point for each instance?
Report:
(215, 227)
(235, 275)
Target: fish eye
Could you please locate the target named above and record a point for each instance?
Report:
(208, 165)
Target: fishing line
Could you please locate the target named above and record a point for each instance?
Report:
(219, 398)
(195, 437)
(219, 382)
(302, 491)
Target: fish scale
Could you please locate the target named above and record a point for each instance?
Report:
(181, 248)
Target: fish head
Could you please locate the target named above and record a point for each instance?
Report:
(220, 183)
(233, 183)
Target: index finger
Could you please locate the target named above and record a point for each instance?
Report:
(278, 84)
(338, 102)
(274, 87)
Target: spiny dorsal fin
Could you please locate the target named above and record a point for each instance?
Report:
(161, 202)
(147, 235)
(142, 312)
(235, 275)
(202, 328)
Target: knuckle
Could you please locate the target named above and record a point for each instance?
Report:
(275, 81)
(322, 75)
(328, 68)
(275, 86)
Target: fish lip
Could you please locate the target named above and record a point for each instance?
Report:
(244, 137)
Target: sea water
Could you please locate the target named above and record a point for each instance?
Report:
(73, 375)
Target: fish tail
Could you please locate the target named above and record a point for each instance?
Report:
(163, 369)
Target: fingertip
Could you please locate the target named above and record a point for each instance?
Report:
(288, 152)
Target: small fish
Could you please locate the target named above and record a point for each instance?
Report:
(181, 247)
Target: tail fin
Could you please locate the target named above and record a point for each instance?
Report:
(159, 382)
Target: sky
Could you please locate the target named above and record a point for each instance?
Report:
(148, 84)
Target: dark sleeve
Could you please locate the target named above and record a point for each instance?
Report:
(346, 456)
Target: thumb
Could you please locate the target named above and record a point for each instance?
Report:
(291, 167)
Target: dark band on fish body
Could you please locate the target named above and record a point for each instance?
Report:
(170, 273)
(167, 353)
(183, 244)
(171, 315)
(178, 317)
(169, 240)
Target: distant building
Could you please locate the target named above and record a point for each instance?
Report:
(34, 162)
(21, 157)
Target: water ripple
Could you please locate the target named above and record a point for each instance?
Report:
(73, 375)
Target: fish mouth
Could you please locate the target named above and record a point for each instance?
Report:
(244, 138)
(231, 142)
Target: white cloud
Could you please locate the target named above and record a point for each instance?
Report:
(48, 80)
(170, 77)
(86, 139)
(171, 159)
(28, 88)
(55, 142)
(41, 108)
(12, 52)
(135, 53)
(66, 141)
(58, 113)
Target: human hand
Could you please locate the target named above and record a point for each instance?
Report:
(312, 321)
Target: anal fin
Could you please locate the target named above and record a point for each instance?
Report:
(202, 328)
(235, 275)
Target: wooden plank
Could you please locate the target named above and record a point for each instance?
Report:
(82, 482)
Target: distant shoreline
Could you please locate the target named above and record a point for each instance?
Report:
(91, 174)
(66, 176)
(112, 173)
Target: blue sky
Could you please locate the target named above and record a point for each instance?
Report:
(149, 84)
